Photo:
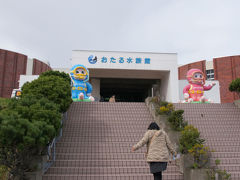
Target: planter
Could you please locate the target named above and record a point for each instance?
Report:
(195, 174)
(218, 177)
(37, 174)
(161, 120)
(237, 103)
(188, 162)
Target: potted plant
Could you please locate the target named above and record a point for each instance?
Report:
(216, 173)
(195, 155)
(199, 158)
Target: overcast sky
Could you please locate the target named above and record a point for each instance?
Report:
(50, 29)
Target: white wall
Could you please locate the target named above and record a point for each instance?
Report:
(66, 70)
(159, 61)
(162, 62)
(209, 65)
(213, 94)
(29, 66)
(26, 78)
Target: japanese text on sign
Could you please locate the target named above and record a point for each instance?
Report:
(120, 60)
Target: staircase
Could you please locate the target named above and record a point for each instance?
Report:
(97, 140)
(219, 124)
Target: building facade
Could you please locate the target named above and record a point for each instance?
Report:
(12, 65)
(131, 76)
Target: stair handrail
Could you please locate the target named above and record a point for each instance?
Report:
(51, 149)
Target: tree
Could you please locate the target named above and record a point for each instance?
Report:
(3, 173)
(3, 103)
(63, 75)
(27, 126)
(235, 86)
(53, 88)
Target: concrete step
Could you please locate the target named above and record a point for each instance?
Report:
(101, 156)
(133, 176)
(221, 139)
(96, 144)
(223, 143)
(100, 139)
(110, 149)
(107, 163)
(219, 124)
(109, 131)
(225, 155)
(226, 161)
(105, 170)
(230, 167)
(84, 144)
(114, 124)
(101, 163)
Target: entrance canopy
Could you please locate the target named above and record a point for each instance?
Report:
(129, 69)
(126, 90)
(128, 85)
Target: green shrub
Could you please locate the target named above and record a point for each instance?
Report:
(225, 175)
(200, 154)
(163, 103)
(3, 173)
(189, 137)
(63, 75)
(53, 88)
(176, 120)
(235, 86)
(165, 108)
(38, 110)
(211, 172)
(170, 106)
(3, 103)
(217, 162)
(27, 126)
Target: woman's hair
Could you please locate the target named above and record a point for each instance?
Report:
(153, 126)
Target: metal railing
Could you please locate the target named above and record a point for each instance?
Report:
(51, 149)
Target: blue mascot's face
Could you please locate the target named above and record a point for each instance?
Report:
(80, 72)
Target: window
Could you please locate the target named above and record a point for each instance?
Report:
(210, 74)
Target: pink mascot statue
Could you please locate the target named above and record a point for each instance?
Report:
(193, 92)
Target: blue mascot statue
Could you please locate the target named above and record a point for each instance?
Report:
(81, 89)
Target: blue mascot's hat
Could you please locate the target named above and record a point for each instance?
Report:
(79, 66)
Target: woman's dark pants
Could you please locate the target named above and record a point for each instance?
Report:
(157, 176)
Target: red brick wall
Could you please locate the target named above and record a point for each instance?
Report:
(226, 69)
(39, 67)
(11, 66)
(182, 71)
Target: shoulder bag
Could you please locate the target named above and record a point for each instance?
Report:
(146, 153)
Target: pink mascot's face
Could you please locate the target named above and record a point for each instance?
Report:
(195, 76)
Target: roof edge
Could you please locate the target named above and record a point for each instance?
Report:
(125, 51)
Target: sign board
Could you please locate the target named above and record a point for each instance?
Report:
(118, 60)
